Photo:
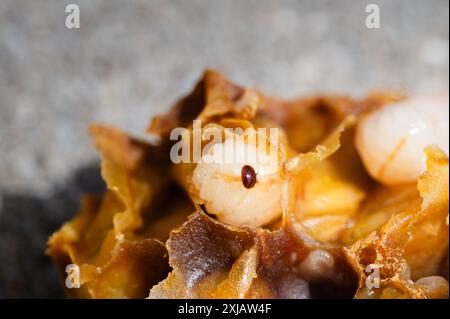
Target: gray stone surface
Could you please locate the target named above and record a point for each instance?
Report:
(132, 59)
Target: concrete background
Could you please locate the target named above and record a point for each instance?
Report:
(132, 59)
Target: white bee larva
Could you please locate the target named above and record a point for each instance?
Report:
(391, 139)
(246, 191)
(318, 264)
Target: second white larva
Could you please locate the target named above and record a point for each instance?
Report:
(391, 139)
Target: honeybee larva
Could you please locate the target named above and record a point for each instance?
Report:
(246, 191)
(391, 140)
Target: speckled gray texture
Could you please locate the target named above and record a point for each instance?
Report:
(132, 59)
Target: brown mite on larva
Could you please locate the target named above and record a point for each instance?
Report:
(248, 176)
